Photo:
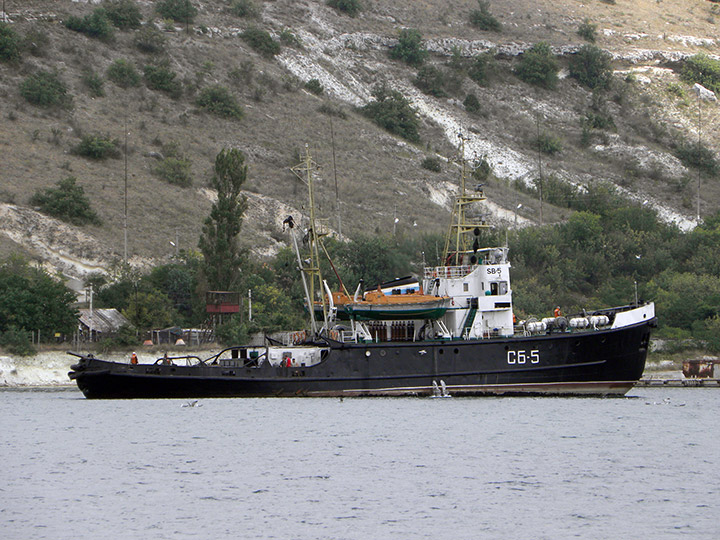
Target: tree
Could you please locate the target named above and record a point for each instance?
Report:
(538, 66)
(9, 44)
(392, 111)
(484, 20)
(218, 241)
(591, 67)
(149, 309)
(31, 299)
(409, 48)
(67, 202)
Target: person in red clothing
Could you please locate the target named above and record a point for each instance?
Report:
(133, 358)
(557, 312)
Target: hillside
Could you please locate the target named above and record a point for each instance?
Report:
(379, 175)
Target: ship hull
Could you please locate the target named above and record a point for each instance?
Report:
(598, 363)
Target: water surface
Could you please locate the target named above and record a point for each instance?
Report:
(646, 466)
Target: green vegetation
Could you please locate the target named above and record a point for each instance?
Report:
(123, 73)
(161, 77)
(177, 10)
(66, 202)
(96, 25)
(97, 147)
(219, 101)
(698, 156)
(482, 19)
(704, 70)
(392, 111)
(261, 41)
(479, 68)
(548, 144)
(351, 7)
(591, 67)
(472, 104)
(9, 44)
(431, 163)
(244, 8)
(94, 83)
(409, 48)
(174, 167)
(430, 80)
(31, 300)
(538, 66)
(481, 169)
(124, 14)
(587, 30)
(150, 40)
(45, 89)
(314, 86)
(222, 257)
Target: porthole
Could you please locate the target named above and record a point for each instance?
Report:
(456, 350)
(382, 352)
(441, 351)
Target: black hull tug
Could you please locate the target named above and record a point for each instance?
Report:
(469, 346)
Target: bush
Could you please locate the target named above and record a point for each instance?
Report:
(472, 104)
(699, 156)
(150, 40)
(17, 342)
(66, 202)
(94, 83)
(351, 7)
(431, 164)
(409, 48)
(703, 70)
(177, 10)
(478, 70)
(431, 81)
(9, 44)
(591, 67)
(289, 39)
(219, 101)
(484, 20)
(598, 120)
(45, 89)
(97, 147)
(244, 8)
(261, 41)
(95, 25)
(392, 111)
(175, 166)
(161, 77)
(124, 14)
(314, 86)
(123, 73)
(481, 169)
(548, 144)
(586, 30)
(538, 66)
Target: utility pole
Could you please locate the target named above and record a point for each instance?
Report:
(125, 218)
(540, 185)
(698, 151)
(337, 192)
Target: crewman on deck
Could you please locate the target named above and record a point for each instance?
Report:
(557, 313)
(133, 358)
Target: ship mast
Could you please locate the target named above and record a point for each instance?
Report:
(304, 172)
(457, 241)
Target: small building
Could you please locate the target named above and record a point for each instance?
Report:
(100, 323)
